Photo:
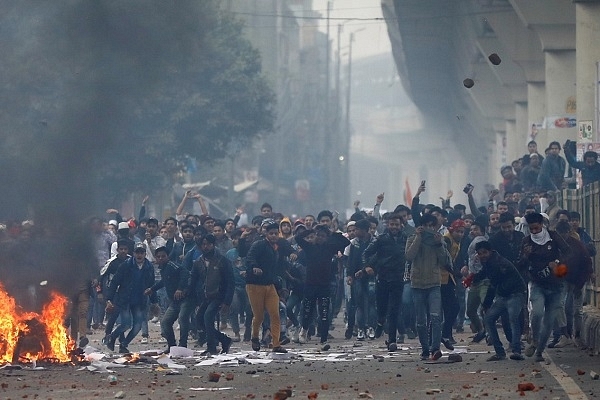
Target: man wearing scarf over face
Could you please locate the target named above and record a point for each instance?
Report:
(541, 253)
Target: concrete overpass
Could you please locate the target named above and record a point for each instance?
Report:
(549, 51)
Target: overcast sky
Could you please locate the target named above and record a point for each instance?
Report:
(370, 36)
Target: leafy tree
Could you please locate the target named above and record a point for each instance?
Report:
(107, 97)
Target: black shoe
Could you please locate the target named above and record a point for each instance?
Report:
(123, 349)
(392, 347)
(284, 340)
(279, 350)
(424, 355)
(225, 345)
(348, 334)
(110, 343)
(517, 357)
(83, 341)
(255, 344)
(479, 337)
(211, 352)
(436, 355)
(378, 331)
(553, 343)
(447, 344)
(460, 329)
(246, 336)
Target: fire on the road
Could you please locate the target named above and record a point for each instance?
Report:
(29, 336)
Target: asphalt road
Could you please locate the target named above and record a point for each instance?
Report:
(350, 370)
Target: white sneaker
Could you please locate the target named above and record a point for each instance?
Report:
(361, 335)
(371, 333)
(162, 340)
(144, 340)
(295, 334)
(302, 338)
(154, 320)
(563, 342)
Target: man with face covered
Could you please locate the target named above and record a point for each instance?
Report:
(541, 253)
(427, 253)
(319, 274)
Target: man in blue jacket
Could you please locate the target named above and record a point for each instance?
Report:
(175, 280)
(126, 293)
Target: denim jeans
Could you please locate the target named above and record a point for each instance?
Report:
(294, 307)
(389, 299)
(424, 300)
(174, 311)
(213, 336)
(408, 309)
(507, 307)
(358, 306)
(449, 307)
(461, 298)
(240, 306)
(132, 316)
(475, 297)
(545, 306)
(570, 316)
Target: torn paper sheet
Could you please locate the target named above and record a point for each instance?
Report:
(166, 361)
(180, 352)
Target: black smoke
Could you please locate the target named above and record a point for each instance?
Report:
(72, 75)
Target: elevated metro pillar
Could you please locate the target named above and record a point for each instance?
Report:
(588, 55)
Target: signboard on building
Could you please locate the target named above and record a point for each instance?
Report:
(586, 133)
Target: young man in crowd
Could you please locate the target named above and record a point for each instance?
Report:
(175, 280)
(131, 280)
(319, 274)
(541, 253)
(507, 290)
(213, 282)
(426, 252)
(385, 257)
(264, 263)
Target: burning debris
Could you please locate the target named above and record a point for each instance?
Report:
(27, 337)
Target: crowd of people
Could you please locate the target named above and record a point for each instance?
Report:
(419, 271)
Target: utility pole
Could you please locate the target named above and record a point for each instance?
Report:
(327, 151)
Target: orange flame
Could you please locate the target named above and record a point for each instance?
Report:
(13, 325)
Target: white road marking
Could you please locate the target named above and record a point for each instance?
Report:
(570, 387)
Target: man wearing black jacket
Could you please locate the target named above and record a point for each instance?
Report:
(358, 305)
(541, 253)
(385, 257)
(319, 274)
(175, 280)
(507, 292)
(213, 282)
(264, 263)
